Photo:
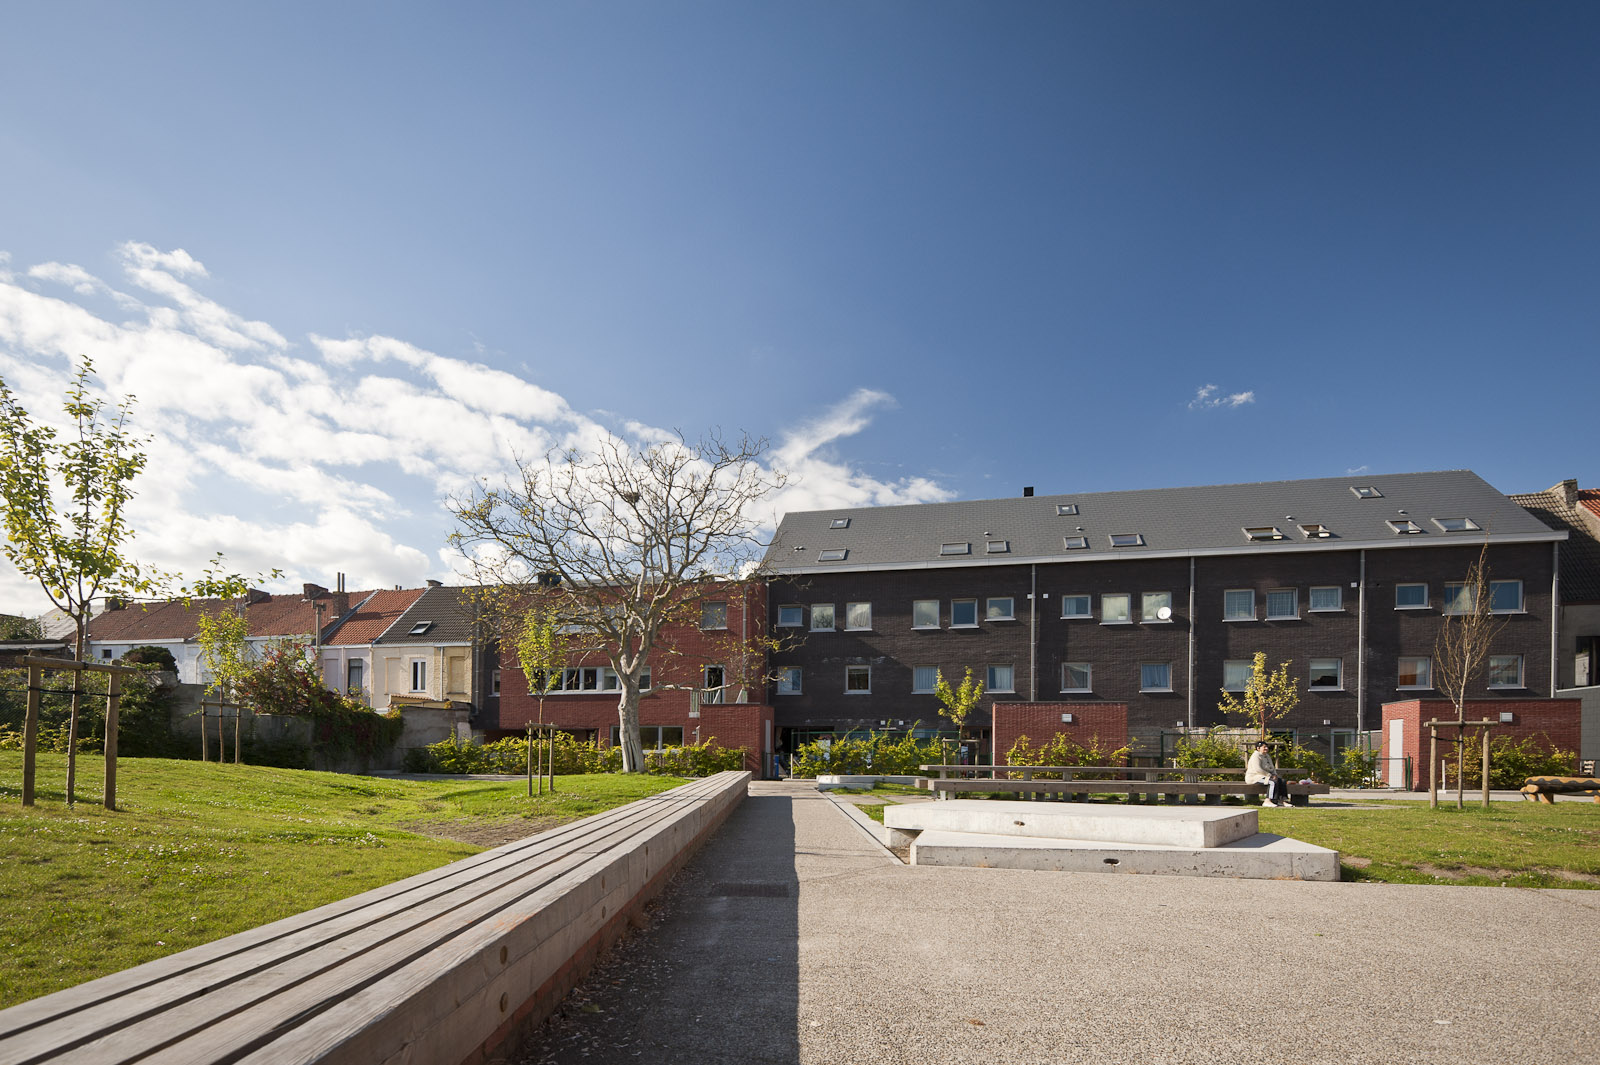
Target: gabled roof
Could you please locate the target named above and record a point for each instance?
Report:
(267, 616)
(373, 617)
(444, 615)
(1164, 522)
(1565, 507)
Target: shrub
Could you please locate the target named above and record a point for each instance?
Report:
(143, 725)
(510, 756)
(877, 753)
(1210, 749)
(1512, 762)
(147, 655)
(1064, 752)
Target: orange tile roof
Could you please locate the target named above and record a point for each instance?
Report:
(374, 616)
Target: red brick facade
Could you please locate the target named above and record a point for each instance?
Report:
(1554, 723)
(1040, 722)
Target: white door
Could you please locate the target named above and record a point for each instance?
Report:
(1396, 753)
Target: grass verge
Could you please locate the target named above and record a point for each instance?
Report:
(196, 852)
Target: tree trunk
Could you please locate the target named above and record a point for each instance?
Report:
(72, 720)
(628, 722)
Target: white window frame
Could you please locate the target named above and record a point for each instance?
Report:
(1075, 543)
(1127, 610)
(1520, 608)
(857, 671)
(419, 674)
(932, 684)
(833, 554)
(824, 610)
(1088, 676)
(1315, 530)
(1263, 532)
(1311, 599)
(1088, 606)
(799, 616)
(1398, 605)
(990, 684)
(915, 603)
(790, 681)
(1404, 527)
(1427, 665)
(839, 523)
(1455, 525)
(709, 692)
(494, 681)
(1520, 676)
(1148, 616)
(1010, 610)
(997, 547)
(1127, 539)
(358, 667)
(854, 614)
(955, 548)
(708, 615)
(963, 625)
(1235, 664)
(1150, 665)
(1226, 616)
(1294, 606)
(1453, 592)
(1066, 510)
(1338, 674)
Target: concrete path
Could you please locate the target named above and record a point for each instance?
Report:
(793, 938)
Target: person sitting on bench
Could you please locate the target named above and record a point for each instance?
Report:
(1262, 770)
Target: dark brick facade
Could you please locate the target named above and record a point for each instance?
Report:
(1037, 646)
(1105, 722)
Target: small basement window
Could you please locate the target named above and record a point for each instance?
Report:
(1066, 510)
(1404, 526)
(1456, 524)
(1366, 491)
(836, 554)
(1127, 539)
(1076, 543)
(955, 549)
(1262, 532)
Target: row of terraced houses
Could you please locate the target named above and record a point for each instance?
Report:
(1122, 615)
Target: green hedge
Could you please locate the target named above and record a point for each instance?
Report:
(874, 753)
(510, 756)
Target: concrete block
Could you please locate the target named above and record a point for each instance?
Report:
(1161, 825)
(1261, 856)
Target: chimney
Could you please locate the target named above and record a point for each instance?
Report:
(1569, 491)
(313, 591)
(256, 595)
(114, 603)
(435, 584)
(341, 605)
(1027, 493)
(340, 585)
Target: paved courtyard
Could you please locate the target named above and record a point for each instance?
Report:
(792, 937)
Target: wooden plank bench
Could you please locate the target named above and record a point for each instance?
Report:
(1545, 789)
(1133, 782)
(441, 967)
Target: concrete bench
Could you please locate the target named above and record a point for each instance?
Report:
(1545, 789)
(443, 967)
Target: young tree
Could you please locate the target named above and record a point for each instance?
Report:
(1267, 697)
(1461, 651)
(65, 507)
(541, 653)
(958, 702)
(222, 631)
(616, 543)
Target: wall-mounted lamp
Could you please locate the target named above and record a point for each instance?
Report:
(1325, 721)
(1507, 717)
(1066, 719)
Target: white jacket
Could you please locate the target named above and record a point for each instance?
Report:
(1260, 769)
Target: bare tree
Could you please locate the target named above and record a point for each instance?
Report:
(618, 543)
(1461, 652)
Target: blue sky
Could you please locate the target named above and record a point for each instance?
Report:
(349, 256)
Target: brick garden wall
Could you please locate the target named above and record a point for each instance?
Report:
(1040, 722)
(1554, 723)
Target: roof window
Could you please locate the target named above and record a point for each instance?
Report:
(1127, 539)
(1404, 526)
(1456, 524)
(835, 554)
(1262, 532)
(1366, 491)
(1315, 531)
(419, 628)
(839, 523)
(1066, 510)
(998, 547)
(1076, 543)
(955, 549)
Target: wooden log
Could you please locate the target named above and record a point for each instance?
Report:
(30, 734)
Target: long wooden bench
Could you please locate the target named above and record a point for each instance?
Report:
(1545, 789)
(443, 967)
(1072, 781)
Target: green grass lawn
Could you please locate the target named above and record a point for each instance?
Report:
(196, 852)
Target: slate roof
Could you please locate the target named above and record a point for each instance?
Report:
(1205, 520)
(1580, 555)
(446, 611)
(373, 617)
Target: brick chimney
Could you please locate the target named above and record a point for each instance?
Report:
(1569, 491)
(313, 591)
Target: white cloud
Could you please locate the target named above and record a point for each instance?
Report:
(1206, 397)
(1352, 471)
(334, 457)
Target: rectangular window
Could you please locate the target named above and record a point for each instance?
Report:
(1066, 510)
(858, 616)
(1075, 543)
(1155, 606)
(1456, 524)
(1155, 677)
(713, 615)
(925, 614)
(955, 549)
(1077, 677)
(839, 523)
(1505, 671)
(999, 679)
(1404, 526)
(1236, 675)
(1263, 532)
(355, 681)
(419, 675)
(1416, 672)
(963, 613)
(1410, 597)
(821, 617)
(1116, 609)
(789, 680)
(1327, 597)
(1366, 491)
(1239, 604)
(857, 680)
(791, 617)
(1327, 673)
(1315, 531)
(494, 681)
(1505, 597)
(1127, 539)
(644, 679)
(715, 679)
(1075, 606)
(1283, 604)
(1000, 609)
(924, 679)
(1457, 598)
(833, 554)
(997, 547)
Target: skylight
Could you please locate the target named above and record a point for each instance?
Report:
(1456, 524)
(1366, 491)
(839, 523)
(1065, 510)
(835, 554)
(1127, 539)
(955, 549)
(1075, 543)
(1314, 531)
(998, 547)
(419, 628)
(1404, 526)
(1263, 532)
